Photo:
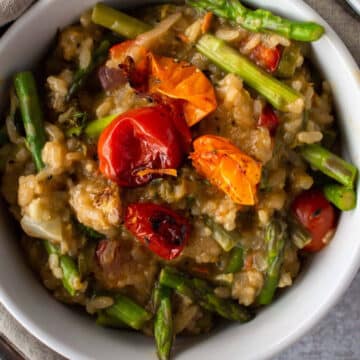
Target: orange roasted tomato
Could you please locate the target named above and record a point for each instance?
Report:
(227, 167)
(179, 80)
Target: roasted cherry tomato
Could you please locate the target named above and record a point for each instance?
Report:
(227, 167)
(267, 58)
(317, 215)
(147, 138)
(154, 74)
(164, 231)
(269, 119)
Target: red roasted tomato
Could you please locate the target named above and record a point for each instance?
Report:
(267, 58)
(269, 119)
(164, 231)
(154, 137)
(317, 215)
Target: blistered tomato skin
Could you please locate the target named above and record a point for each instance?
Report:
(317, 215)
(164, 231)
(146, 138)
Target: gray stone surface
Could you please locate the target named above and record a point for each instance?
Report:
(337, 336)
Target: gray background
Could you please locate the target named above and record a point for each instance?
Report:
(337, 336)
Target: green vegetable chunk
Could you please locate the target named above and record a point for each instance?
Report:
(68, 267)
(330, 164)
(96, 127)
(289, 61)
(114, 20)
(236, 260)
(260, 20)
(32, 116)
(281, 96)
(275, 238)
(226, 239)
(342, 197)
(108, 321)
(128, 312)
(298, 234)
(163, 324)
(199, 291)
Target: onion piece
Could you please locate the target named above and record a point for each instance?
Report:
(46, 230)
(150, 39)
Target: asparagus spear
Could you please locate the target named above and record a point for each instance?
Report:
(94, 128)
(298, 234)
(275, 238)
(97, 126)
(118, 22)
(289, 61)
(68, 267)
(107, 321)
(163, 324)
(31, 113)
(341, 196)
(236, 260)
(281, 96)
(330, 164)
(32, 117)
(199, 291)
(99, 56)
(128, 312)
(260, 19)
(226, 239)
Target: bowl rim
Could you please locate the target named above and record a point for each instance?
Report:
(62, 348)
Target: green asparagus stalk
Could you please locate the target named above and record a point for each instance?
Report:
(289, 61)
(199, 291)
(32, 117)
(99, 56)
(275, 238)
(114, 20)
(94, 128)
(298, 234)
(342, 197)
(226, 239)
(281, 96)
(31, 113)
(330, 164)
(163, 323)
(236, 260)
(107, 321)
(260, 20)
(68, 267)
(128, 312)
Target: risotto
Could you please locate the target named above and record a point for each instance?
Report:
(172, 166)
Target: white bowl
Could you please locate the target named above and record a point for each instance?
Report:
(316, 290)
